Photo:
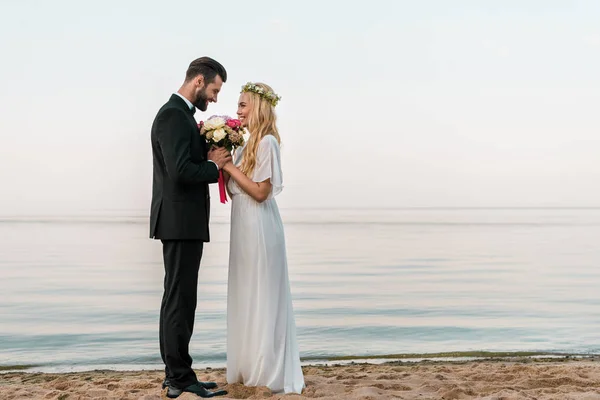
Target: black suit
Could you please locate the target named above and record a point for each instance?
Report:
(179, 217)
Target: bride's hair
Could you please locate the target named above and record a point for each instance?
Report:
(262, 121)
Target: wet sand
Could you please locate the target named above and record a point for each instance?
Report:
(497, 379)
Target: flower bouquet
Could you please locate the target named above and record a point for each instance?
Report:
(222, 131)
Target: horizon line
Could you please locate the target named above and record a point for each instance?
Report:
(99, 216)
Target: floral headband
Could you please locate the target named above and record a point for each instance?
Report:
(269, 96)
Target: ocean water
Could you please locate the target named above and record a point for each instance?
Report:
(83, 292)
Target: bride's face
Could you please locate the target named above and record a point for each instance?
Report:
(243, 111)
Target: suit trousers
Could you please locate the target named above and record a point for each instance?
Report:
(178, 308)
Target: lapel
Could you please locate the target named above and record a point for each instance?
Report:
(198, 143)
(178, 101)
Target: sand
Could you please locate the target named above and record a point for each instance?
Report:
(503, 379)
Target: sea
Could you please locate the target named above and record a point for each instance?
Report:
(83, 292)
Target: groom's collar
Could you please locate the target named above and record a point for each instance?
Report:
(187, 102)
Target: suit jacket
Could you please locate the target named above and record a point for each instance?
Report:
(181, 173)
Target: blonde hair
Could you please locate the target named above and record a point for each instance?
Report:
(262, 121)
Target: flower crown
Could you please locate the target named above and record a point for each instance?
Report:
(269, 96)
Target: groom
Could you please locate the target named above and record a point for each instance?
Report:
(182, 169)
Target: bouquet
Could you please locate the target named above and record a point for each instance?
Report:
(222, 131)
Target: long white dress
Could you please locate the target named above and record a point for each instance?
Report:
(261, 331)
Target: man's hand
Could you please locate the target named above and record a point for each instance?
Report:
(220, 156)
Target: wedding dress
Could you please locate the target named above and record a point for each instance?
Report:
(261, 331)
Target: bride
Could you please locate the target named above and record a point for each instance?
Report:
(261, 331)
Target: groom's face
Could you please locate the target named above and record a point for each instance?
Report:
(207, 93)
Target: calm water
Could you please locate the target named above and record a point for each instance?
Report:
(84, 292)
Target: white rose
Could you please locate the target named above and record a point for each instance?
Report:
(219, 135)
(214, 123)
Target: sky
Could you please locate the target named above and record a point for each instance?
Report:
(385, 104)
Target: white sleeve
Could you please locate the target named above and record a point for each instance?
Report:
(268, 164)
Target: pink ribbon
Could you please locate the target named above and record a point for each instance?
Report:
(222, 192)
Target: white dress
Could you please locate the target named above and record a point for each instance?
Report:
(261, 331)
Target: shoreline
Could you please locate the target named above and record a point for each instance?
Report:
(413, 358)
(493, 378)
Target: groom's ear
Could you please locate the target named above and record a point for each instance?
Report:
(200, 80)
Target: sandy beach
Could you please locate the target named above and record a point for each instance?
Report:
(497, 379)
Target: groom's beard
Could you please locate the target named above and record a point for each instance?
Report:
(201, 102)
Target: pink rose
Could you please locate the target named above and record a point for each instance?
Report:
(233, 123)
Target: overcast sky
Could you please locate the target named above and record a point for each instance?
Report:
(385, 103)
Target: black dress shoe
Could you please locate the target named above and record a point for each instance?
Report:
(205, 385)
(197, 389)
